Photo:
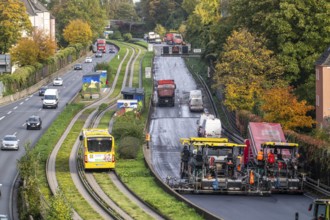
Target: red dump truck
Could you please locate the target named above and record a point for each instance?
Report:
(174, 39)
(101, 45)
(273, 159)
(166, 92)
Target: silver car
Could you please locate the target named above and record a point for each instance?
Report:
(10, 142)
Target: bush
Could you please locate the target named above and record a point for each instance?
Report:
(128, 147)
(116, 36)
(128, 125)
(127, 37)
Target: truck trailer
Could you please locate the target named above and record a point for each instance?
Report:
(166, 92)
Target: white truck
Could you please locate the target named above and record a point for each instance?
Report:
(196, 101)
(151, 37)
(50, 99)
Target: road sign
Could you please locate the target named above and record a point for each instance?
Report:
(197, 50)
(5, 63)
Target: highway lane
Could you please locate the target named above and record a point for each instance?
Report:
(14, 115)
(169, 124)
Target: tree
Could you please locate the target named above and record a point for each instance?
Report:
(126, 12)
(35, 49)
(78, 31)
(284, 108)
(25, 52)
(46, 46)
(297, 30)
(240, 96)
(246, 63)
(89, 11)
(202, 22)
(14, 21)
(160, 30)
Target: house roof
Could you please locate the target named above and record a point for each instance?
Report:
(34, 6)
(324, 59)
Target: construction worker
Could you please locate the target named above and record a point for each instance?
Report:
(271, 158)
(185, 157)
(260, 156)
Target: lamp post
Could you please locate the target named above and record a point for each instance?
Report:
(130, 24)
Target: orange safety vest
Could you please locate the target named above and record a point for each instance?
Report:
(260, 155)
(251, 177)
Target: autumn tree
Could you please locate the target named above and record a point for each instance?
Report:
(25, 52)
(201, 24)
(35, 49)
(14, 21)
(246, 62)
(281, 106)
(46, 46)
(298, 31)
(160, 30)
(89, 11)
(78, 31)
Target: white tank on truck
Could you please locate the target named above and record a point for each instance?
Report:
(209, 126)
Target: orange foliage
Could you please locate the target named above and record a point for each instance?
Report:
(281, 106)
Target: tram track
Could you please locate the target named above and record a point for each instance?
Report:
(86, 184)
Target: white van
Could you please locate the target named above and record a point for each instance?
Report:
(50, 99)
(201, 121)
(196, 101)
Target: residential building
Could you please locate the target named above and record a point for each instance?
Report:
(40, 17)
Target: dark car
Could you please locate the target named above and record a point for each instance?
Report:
(112, 49)
(34, 122)
(78, 66)
(42, 90)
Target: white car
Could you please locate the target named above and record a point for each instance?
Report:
(88, 60)
(10, 142)
(58, 81)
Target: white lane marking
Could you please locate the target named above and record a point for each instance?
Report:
(9, 112)
(21, 103)
(2, 117)
(23, 124)
(15, 107)
(15, 133)
(26, 99)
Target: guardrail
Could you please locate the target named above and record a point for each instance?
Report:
(317, 186)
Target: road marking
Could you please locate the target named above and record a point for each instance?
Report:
(26, 99)
(2, 117)
(15, 107)
(9, 112)
(21, 103)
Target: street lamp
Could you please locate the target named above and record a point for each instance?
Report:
(130, 24)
